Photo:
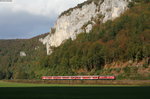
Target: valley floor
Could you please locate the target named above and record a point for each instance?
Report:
(42, 90)
(72, 83)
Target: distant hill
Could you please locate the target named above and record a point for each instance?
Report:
(10, 58)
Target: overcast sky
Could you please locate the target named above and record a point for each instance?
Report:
(28, 18)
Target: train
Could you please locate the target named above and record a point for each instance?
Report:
(78, 77)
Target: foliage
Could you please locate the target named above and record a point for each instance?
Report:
(68, 12)
(12, 65)
(123, 39)
(126, 38)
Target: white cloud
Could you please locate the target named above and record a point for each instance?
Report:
(40, 7)
(27, 18)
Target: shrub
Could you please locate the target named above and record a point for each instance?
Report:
(126, 69)
(131, 4)
(118, 70)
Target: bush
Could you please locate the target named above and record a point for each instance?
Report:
(118, 70)
(146, 65)
(127, 70)
(131, 4)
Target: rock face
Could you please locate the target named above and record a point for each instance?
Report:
(81, 19)
(23, 54)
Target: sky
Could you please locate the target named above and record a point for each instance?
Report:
(21, 19)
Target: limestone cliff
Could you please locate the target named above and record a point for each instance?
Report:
(81, 19)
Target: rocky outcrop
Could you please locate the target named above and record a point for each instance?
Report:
(23, 54)
(81, 19)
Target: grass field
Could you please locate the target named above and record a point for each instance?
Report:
(15, 84)
(10, 90)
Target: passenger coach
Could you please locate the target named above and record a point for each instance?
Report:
(78, 77)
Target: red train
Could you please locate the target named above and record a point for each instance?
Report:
(78, 77)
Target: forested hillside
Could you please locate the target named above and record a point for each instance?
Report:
(12, 64)
(125, 40)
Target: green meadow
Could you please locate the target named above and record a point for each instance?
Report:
(15, 84)
(10, 90)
